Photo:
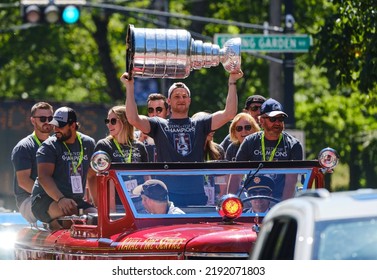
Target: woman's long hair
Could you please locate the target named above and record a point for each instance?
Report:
(210, 148)
(126, 135)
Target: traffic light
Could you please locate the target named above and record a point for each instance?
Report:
(51, 11)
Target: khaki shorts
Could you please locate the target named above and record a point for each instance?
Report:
(25, 210)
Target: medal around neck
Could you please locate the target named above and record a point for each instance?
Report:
(173, 54)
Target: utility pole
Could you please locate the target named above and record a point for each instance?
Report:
(289, 65)
(275, 86)
(163, 5)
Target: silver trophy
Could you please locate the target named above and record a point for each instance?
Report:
(172, 53)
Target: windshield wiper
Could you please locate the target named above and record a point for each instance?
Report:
(249, 178)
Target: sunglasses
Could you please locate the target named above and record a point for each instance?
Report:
(262, 192)
(254, 108)
(44, 119)
(274, 119)
(247, 127)
(113, 121)
(158, 110)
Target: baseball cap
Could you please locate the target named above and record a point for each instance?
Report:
(260, 183)
(63, 116)
(154, 189)
(254, 99)
(272, 108)
(178, 85)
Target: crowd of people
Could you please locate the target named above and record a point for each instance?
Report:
(53, 177)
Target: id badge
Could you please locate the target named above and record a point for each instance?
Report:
(76, 184)
(210, 192)
(131, 184)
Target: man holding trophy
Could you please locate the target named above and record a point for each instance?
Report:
(179, 138)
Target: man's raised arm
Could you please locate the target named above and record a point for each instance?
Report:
(139, 121)
(220, 118)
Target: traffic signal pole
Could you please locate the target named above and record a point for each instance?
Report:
(288, 66)
(51, 11)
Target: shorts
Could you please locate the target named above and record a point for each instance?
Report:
(41, 203)
(25, 210)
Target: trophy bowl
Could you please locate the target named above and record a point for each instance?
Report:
(173, 53)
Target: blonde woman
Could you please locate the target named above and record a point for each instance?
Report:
(121, 144)
(242, 125)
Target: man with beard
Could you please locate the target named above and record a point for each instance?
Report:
(63, 162)
(24, 161)
(272, 143)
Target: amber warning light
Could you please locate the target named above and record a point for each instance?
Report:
(230, 206)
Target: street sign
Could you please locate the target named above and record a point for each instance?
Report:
(273, 43)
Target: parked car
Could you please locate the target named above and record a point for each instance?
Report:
(319, 225)
(224, 228)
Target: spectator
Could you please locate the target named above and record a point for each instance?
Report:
(121, 146)
(63, 163)
(180, 138)
(24, 161)
(155, 199)
(242, 125)
(272, 143)
(252, 106)
(157, 107)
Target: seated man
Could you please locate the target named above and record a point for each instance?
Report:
(155, 199)
(260, 185)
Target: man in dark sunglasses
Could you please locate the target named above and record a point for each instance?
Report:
(24, 161)
(63, 161)
(157, 106)
(270, 144)
(253, 105)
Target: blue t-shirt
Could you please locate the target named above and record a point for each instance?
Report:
(180, 140)
(54, 151)
(23, 157)
(289, 148)
(134, 153)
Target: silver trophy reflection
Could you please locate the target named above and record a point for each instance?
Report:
(172, 53)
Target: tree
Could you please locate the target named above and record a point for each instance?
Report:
(335, 83)
(348, 34)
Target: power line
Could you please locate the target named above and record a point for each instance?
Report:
(189, 17)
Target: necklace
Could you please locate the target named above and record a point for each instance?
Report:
(81, 153)
(273, 151)
(128, 160)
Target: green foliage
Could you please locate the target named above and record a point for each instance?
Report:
(349, 34)
(335, 83)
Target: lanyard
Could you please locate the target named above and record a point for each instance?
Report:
(128, 160)
(273, 151)
(36, 139)
(81, 154)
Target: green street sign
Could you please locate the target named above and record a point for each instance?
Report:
(273, 43)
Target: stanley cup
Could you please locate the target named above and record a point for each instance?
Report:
(172, 53)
